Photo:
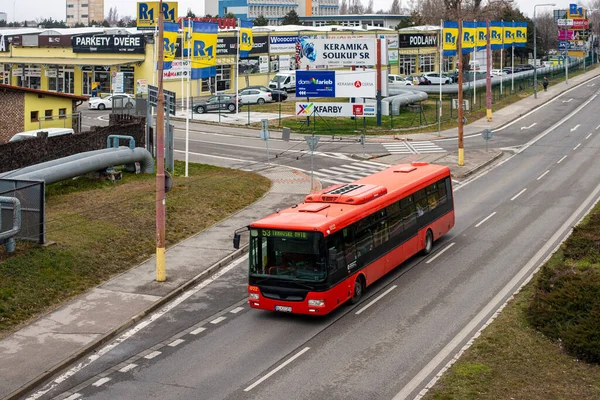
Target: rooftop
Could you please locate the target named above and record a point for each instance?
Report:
(4, 87)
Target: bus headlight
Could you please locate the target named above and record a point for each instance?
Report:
(316, 303)
(253, 296)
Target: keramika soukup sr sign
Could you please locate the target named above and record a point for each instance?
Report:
(109, 44)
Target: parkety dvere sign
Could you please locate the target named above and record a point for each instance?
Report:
(109, 44)
(337, 53)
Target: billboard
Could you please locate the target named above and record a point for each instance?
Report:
(179, 69)
(336, 110)
(356, 83)
(282, 44)
(315, 83)
(109, 44)
(409, 40)
(335, 52)
(147, 13)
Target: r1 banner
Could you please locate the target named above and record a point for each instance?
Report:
(335, 110)
(330, 52)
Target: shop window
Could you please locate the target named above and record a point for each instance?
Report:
(34, 116)
(62, 113)
(426, 63)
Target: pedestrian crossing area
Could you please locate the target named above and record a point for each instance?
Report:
(349, 172)
(406, 147)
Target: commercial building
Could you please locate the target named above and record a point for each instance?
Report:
(3, 17)
(75, 60)
(23, 109)
(354, 20)
(84, 11)
(275, 10)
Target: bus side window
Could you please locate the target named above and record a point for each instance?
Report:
(364, 242)
(421, 202)
(335, 247)
(442, 193)
(349, 245)
(409, 216)
(432, 196)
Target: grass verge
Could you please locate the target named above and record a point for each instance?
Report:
(101, 229)
(512, 360)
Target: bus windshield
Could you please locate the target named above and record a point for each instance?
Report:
(288, 255)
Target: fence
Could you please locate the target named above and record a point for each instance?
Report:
(61, 121)
(31, 196)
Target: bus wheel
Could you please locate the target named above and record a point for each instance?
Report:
(358, 290)
(428, 242)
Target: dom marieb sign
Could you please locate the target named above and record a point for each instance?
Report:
(109, 44)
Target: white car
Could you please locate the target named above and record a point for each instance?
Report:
(397, 79)
(498, 72)
(435, 78)
(255, 96)
(103, 103)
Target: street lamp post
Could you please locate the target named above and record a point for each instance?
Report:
(535, 46)
(461, 145)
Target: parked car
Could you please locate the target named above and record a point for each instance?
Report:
(50, 131)
(216, 103)
(508, 70)
(255, 96)
(285, 81)
(103, 103)
(525, 67)
(397, 79)
(498, 72)
(436, 78)
(276, 94)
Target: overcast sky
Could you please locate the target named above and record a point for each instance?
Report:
(33, 9)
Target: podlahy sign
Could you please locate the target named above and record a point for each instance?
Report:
(109, 44)
(335, 110)
(315, 83)
(336, 52)
(282, 44)
(408, 40)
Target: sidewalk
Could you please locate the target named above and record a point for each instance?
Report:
(50, 344)
(500, 118)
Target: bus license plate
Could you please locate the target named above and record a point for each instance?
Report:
(283, 308)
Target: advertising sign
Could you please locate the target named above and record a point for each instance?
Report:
(224, 23)
(282, 44)
(315, 83)
(141, 86)
(284, 62)
(263, 64)
(3, 44)
(393, 57)
(147, 13)
(408, 40)
(355, 83)
(336, 109)
(564, 23)
(580, 24)
(337, 52)
(564, 34)
(392, 41)
(109, 44)
(179, 69)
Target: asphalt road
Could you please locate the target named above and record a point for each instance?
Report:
(410, 324)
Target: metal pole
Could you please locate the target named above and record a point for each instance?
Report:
(534, 53)
(161, 270)
(501, 66)
(488, 78)
(512, 70)
(237, 70)
(379, 74)
(474, 69)
(188, 111)
(441, 60)
(312, 161)
(461, 151)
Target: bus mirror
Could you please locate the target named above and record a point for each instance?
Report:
(236, 240)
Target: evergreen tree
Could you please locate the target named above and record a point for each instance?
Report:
(291, 18)
(261, 21)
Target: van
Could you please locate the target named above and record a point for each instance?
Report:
(51, 133)
(474, 66)
(284, 81)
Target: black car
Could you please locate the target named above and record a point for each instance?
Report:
(276, 94)
(222, 102)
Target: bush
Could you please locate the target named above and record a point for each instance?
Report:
(566, 307)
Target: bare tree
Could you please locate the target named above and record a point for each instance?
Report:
(344, 8)
(546, 31)
(432, 11)
(113, 16)
(357, 7)
(369, 9)
(395, 8)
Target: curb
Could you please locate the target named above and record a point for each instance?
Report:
(480, 166)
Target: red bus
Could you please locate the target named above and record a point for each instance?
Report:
(316, 255)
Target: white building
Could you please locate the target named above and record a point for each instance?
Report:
(274, 10)
(84, 11)
(3, 17)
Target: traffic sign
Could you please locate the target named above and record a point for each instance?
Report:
(312, 141)
(487, 134)
(264, 132)
(169, 96)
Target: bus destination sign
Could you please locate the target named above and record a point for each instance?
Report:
(283, 234)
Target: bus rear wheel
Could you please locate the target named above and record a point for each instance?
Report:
(359, 287)
(428, 242)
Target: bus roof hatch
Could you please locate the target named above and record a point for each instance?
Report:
(347, 194)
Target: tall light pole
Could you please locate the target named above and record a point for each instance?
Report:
(535, 46)
(461, 145)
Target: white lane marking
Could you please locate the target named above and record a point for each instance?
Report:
(439, 253)
(128, 368)
(597, 128)
(542, 175)
(197, 331)
(217, 320)
(588, 136)
(495, 304)
(100, 382)
(567, 101)
(176, 343)
(561, 160)
(529, 127)
(74, 396)
(576, 147)
(152, 355)
(130, 333)
(320, 173)
(376, 164)
(485, 219)
(575, 127)
(236, 310)
(261, 380)
(518, 194)
(376, 300)
(330, 171)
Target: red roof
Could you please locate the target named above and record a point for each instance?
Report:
(44, 92)
(338, 210)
